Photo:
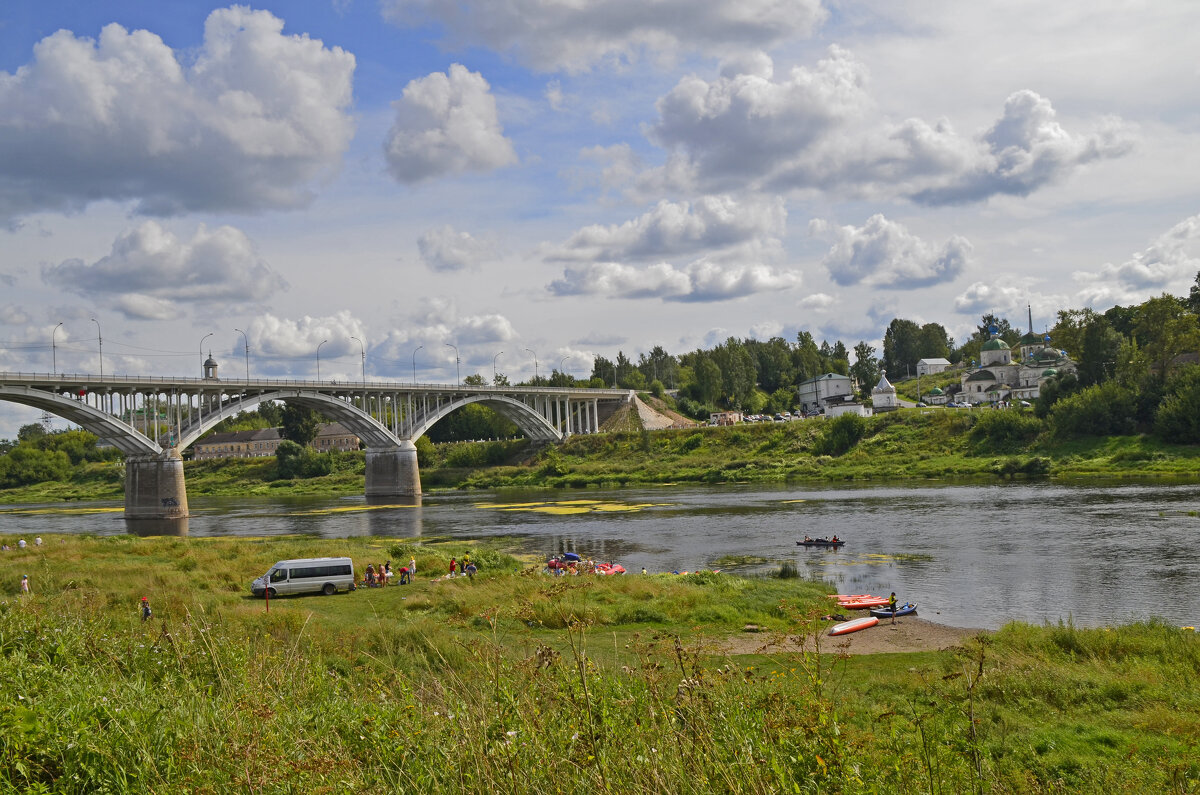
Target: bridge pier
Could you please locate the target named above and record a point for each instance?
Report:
(392, 473)
(154, 487)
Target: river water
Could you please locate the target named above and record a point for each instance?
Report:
(968, 555)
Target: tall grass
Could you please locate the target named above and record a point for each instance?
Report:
(516, 682)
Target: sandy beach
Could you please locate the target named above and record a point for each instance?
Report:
(909, 633)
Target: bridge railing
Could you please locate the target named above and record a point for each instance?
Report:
(274, 383)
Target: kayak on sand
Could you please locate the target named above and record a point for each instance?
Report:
(846, 627)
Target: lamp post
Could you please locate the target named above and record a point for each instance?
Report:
(202, 339)
(247, 339)
(560, 367)
(494, 358)
(54, 351)
(363, 351)
(456, 368)
(319, 359)
(100, 342)
(534, 365)
(419, 347)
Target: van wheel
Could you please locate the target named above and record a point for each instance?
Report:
(329, 590)
(271, 592)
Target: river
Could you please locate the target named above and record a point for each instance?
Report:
(968, 555)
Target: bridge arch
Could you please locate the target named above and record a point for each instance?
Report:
(125, 438)
(362, 424)
(527, 419)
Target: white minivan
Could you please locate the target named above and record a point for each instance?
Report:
(306, 575)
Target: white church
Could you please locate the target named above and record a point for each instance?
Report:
(1016, 373)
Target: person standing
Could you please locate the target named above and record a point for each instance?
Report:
(21, 544)
(412, 567)
(892, 606)
(24, 583)
(146, 612)
(453, 563)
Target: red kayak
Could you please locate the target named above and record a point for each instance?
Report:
(610, 568)
(863, 603)
(847, 627)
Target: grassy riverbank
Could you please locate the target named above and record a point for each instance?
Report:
(911, 444)
(517, 682)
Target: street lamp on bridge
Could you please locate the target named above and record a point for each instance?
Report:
(560, 364)
(319, 359)
(456, 361)
(494, 358)
(202, 339)
(534, 365)
(54, 351)
(363, 351)
(419, 347)
(247, 339)
(100, 342)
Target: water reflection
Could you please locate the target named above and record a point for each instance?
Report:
(157, 527)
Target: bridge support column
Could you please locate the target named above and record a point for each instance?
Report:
(392, 473)
(154, 487)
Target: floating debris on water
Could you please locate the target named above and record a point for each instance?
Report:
(569, 507)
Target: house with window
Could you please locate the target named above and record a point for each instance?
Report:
(265, 441)
(817, 393)
(931, 366)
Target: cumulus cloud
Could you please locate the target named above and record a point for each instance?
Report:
(152, 273)
(745, 125)
(446, 249)
(254, 119)
(1169, 262)
(883, 253)
(299, 337)
(446, 124)
(550, 35)
(712, 224)
(983, 297)
(699, 281)
(1024, 150)
(812, 129)
(816, 301)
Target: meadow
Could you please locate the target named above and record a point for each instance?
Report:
(910, 444)
(518, 682)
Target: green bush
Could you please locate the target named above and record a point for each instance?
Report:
(26, 464)
(840, 434)
(1178, 416)
(1103, 410)
(1004, 428)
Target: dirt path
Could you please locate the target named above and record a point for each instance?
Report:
(651, 419)
(907, 634)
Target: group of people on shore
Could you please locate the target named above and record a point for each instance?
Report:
(381, 575)
(37, 542)
(463, 567)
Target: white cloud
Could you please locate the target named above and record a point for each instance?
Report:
(152, 272)
(250, 124)
(445, 249)
(742, 127)
(1167, 264)
(272, 336)
(699, 281)
(713, 225)
(446, 124)
(812, 130)
(816, 301)
(551, 35)
(1006, 301)
(884, 253)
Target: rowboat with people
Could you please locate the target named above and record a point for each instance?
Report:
(832, 543)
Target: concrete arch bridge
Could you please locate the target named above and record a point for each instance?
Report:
(152, 420)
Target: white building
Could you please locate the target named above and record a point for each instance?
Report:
(883, 394)
(931, 366)
(817, 393)
(1001, 376)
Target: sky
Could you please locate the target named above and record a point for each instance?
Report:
(384, 186)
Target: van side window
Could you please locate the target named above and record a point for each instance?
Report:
(278, 574)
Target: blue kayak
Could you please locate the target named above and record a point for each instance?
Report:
(906, 609)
